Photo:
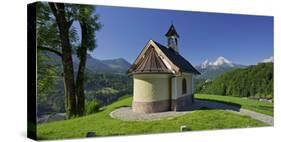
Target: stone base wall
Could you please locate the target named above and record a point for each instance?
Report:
(150, 107)
(180, 104)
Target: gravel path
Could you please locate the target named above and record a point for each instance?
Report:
(126, 114)
(259, 116)
(216, 105)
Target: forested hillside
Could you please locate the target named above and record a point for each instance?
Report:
(105, 88)
(105, 81)
(255, 81)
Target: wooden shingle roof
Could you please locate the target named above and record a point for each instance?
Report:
(151, 63)
(156, 58)
(177, 59)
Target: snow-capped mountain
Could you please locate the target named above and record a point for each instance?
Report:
(205, 64)
(268, 60)
(220, 61)
(212, 69)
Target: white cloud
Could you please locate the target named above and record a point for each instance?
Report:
(270, 59)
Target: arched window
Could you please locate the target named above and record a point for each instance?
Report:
(184, 86)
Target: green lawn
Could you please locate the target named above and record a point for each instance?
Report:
(104, 125)
(254, 105)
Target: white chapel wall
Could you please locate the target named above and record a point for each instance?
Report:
(151, 87)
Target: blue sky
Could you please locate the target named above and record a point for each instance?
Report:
(242, 39)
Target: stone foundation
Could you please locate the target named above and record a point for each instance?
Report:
(181, 104)
(150, 107)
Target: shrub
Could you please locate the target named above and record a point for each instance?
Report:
(269, 96)
(92, 106)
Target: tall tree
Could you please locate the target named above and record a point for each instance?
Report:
(57, 35)
(58, 10)
(88, 25)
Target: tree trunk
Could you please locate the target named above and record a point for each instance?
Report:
(82, 52)
(66, 104)
(58, 10)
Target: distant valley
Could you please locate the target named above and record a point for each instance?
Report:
(106, 81)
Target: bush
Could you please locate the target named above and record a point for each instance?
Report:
(269, 96)
(92, 106)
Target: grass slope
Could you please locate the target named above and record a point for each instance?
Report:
(254, 105)
(104, 125)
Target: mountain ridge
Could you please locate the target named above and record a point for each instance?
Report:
(220, 61)
(94, 65)
(212, 69)
(114, 66)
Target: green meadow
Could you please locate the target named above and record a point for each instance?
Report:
(250, 104)
(103, 125)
